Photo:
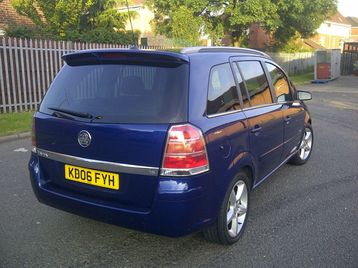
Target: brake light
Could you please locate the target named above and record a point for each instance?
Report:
(185, 152)
(113, 56)
(33, 133)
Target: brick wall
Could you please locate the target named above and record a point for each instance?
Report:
(258, 37)
(8, 15)
(354, 35)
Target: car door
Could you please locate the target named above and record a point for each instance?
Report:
(227, 134)
(264, 116)
(292, 111)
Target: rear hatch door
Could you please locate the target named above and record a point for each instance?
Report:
(109, 111)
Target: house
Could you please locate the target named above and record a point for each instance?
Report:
(354, 22)
(142, 22)
(9, 16)
(333, 32)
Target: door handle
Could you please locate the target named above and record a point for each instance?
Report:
(256, 129)
(288, 119)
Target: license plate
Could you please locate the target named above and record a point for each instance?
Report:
(92, 177)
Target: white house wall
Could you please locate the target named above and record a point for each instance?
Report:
(335, 29)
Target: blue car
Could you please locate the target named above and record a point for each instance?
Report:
(167, 143)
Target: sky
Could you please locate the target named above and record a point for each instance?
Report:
(348, 7)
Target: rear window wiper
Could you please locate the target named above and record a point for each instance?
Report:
(70, 112)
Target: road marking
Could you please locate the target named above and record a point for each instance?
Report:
(341, 105)
(21, 150)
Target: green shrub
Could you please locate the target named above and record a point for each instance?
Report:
(105, 36)
(93, 36)
(22, 31)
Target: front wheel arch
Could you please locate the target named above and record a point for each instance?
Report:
(300, 157)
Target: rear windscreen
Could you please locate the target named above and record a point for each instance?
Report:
(116, 93)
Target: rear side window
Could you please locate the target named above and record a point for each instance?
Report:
(280, 83)
(256, 82)
(120, 93)
(243, 91)
(222, 93)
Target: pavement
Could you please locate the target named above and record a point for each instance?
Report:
(304, 216)
(16, 136)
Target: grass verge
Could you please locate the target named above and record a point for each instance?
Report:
(13, 123)
(302, 78)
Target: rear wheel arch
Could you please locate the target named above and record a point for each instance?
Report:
(248, 170)
(247, 164)
(219, 231)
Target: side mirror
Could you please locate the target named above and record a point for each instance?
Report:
(304, 95)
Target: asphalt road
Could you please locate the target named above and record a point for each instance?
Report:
(303, 216)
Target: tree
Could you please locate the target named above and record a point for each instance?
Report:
(73, 19)
(239, 15)
(182, 34)
(217, 17)
(59, 18)
(301, 17)
(179, 19)
(284, 18)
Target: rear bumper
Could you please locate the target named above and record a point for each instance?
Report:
(180, 206)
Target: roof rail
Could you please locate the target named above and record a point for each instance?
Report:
(189, 50)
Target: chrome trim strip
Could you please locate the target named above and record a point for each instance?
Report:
(274, 170)
(224, 113)
(261, 106)
(296, 104)
(270, 151)
(243, 109)
(183, 172)
(98, 164)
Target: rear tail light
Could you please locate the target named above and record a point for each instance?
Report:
(185, 152)
(33, 135)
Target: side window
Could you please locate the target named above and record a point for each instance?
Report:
(256, 82)
(280, 83)
(222, 95)
(243, 91)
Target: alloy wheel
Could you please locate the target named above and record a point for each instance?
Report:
(306, 144)
(237, 208)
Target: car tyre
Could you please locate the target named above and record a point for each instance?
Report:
(305, 148)
(233, 214)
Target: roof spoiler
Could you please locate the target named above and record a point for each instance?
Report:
(124, 56)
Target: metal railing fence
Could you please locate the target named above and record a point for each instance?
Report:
(27, 68)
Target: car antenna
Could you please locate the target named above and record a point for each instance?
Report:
(135, 46)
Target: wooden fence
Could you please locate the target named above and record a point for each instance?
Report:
(295, 63)
(27, 68)
(349, 61)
